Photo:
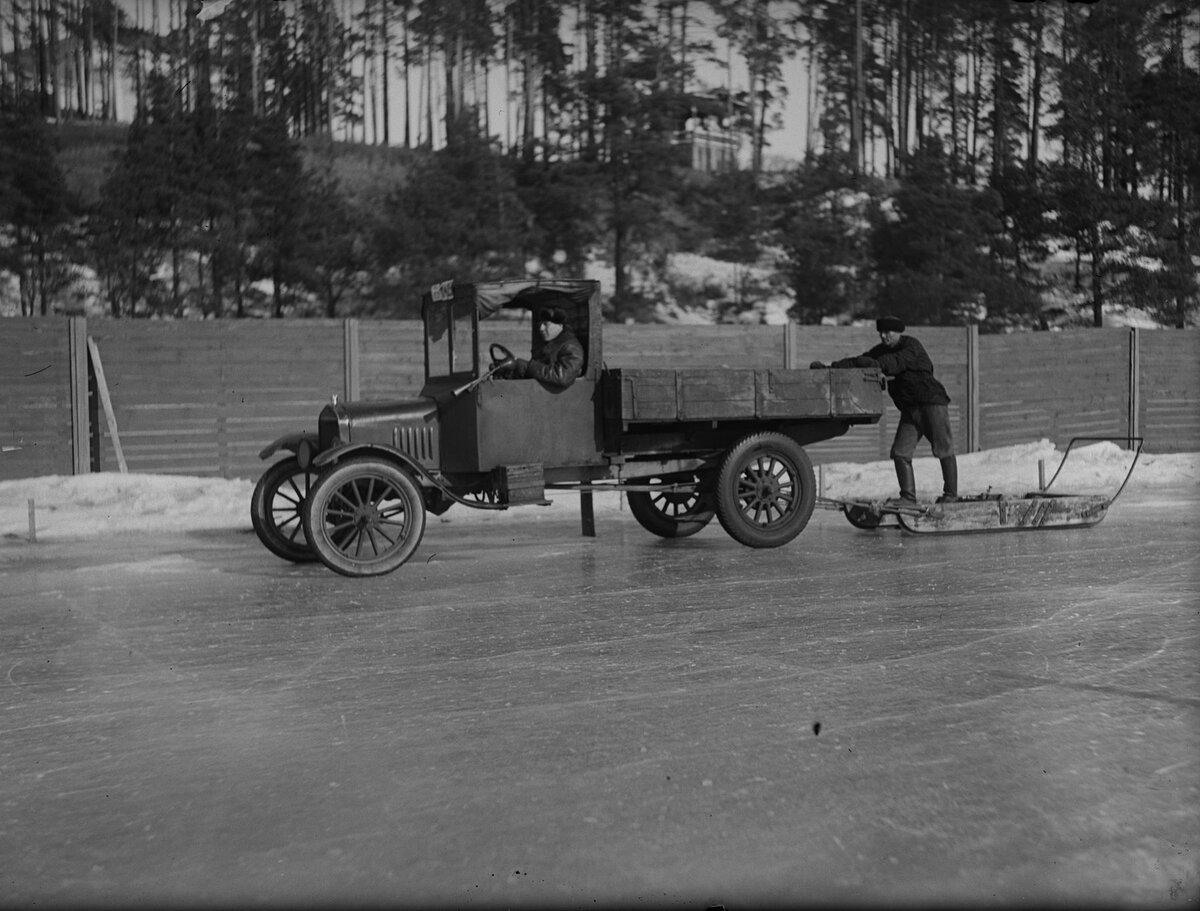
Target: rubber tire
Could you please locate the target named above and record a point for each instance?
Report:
(287, 480)
(647, 508)
(861, 517)
(780, 474)
(360, 485)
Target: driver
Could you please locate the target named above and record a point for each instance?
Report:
(557, 360)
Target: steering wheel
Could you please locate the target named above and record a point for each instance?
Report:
(500, 355)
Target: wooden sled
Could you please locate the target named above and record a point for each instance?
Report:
(989, 512)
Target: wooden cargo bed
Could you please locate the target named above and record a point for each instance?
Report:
(717, 394)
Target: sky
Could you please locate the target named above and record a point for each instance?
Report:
(83, 507)
(787, 142)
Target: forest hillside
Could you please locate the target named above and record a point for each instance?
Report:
(1012, 165)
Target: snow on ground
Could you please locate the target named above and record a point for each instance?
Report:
(1094, 468)
(99, 505)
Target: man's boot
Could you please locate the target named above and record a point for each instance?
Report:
(908, 481)
(949, 480)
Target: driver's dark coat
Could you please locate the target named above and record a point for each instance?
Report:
(909, 371)
(557, 362)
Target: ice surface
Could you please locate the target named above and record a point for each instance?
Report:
(108, 503)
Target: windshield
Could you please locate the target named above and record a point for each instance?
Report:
(449, 338)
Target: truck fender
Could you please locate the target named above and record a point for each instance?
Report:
(291, 442)
(420, 473)
(405, 461)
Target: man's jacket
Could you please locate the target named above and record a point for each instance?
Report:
(557, 362)
(909, 371)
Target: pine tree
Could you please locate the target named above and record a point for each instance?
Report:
(36, 204)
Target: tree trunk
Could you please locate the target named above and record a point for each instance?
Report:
(18, 73)
(976, 96)
(429, 95)
(683, 46)
(955, 150)
(810, 113)
(1035, 92)
(43, 289)
(257, 101)
(1097, 273)
(79, 59)
(904, 88)
(856, 107)
(591, 144)
(620, 279)
(277, 289)
(386, 38)
(112, 112)
(999, 123)
(38, 41)
(369, 76)
(56, 65)
(407, 92)
(532, 76)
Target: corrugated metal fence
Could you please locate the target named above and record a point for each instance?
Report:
(203, 397)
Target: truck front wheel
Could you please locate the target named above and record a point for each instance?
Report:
(766, 490)
(670, 513)
(364, 517)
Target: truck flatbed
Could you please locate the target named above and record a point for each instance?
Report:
(645, 396)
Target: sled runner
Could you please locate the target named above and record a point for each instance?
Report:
(988, 511)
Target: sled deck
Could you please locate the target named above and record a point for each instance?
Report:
(991, 512)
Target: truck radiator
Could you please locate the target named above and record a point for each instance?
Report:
(420, 442)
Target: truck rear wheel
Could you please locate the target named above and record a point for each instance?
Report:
(364, 517)
(670, 513)
(766, 490)
(277, 510)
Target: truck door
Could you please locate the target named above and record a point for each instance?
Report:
(526, 421)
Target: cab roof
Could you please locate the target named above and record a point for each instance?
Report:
(491, 297)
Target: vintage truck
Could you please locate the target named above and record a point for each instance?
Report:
(683, 445)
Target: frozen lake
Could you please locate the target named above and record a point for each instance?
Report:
(523, 716)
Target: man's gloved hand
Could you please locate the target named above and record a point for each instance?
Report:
(816, 365)
(520, 367)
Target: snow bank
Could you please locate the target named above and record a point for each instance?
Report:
(108, 503)
(1094, 468)
(104, 504)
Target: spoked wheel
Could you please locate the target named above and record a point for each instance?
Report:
(277, 511)
(766, 490)
(863, 517)
(671, 513)
(364, 517)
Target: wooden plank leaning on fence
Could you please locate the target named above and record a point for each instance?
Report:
(106, 401)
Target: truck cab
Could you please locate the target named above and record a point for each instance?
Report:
(506, 422)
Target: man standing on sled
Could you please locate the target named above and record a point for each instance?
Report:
(923, 404)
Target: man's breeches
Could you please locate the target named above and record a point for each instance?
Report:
(929, 421)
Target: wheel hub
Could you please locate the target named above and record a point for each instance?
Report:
(765, 487)
(367, 516)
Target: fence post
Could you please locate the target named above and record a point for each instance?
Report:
(973, 442)
(1135, 384)
(81, 456)
(350, 359)
(789, 345)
